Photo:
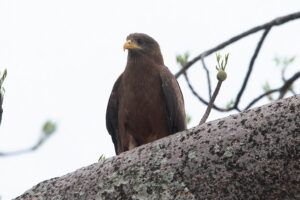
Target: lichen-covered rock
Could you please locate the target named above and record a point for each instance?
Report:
(250, 155)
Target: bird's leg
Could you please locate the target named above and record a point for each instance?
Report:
(131, 142)
(127, 143)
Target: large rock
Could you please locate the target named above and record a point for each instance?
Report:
(250, 155)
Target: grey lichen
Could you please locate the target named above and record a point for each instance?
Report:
(228, 152)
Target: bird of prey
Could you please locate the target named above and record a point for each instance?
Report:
(146, 102)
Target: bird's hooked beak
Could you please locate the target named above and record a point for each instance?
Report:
(130, 45)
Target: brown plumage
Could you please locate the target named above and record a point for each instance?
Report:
(146, 102)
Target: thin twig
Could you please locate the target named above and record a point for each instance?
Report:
(260, 97)
(1, 109)
(2, 78)
(286, 85)
(258, 47)
(208, 109)
(282, 73)
(207, 76)
(200, 98)
(15, 153)
(275, 22)
(18, 152)
(193, 90)
(292, 91)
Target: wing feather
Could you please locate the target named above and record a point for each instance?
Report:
(174, 101)
(112, 114)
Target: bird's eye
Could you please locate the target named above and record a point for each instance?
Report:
(139, 41)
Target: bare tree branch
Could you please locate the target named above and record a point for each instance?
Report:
(2, 78)
(207, 76)
(275, 22)
(48, 129)
(260, 97)
(266, 27)
(22, 151)
(258, 47)
(1, 109)
(19, 152)
(285, 87)
(288, 84)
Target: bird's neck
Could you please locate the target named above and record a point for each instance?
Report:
(134, 58)
(140, 67)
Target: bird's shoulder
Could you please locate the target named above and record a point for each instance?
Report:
(168, 78)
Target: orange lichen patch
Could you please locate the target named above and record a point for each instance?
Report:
(187, 194)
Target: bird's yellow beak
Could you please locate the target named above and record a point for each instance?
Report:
(130, 45)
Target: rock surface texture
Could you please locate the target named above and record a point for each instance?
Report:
(250, 155)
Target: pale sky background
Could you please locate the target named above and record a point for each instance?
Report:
(63, 57)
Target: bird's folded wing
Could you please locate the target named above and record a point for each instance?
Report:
(174, 101)
(112, 114)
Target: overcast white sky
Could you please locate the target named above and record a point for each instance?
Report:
(63, 57)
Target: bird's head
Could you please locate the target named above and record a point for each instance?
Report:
(142, 45)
